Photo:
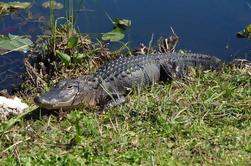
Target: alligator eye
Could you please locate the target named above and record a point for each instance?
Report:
(70, 87)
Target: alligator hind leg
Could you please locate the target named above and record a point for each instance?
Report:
(110, 104)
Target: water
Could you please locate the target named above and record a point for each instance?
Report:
(207, 26)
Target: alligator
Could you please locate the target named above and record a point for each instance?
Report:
(109, 85)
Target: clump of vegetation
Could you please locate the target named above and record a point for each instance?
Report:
(65, 54)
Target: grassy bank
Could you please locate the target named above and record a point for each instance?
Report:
(205, 119)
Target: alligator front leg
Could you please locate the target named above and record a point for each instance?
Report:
(110, 104)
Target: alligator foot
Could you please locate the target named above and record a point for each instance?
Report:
(110, 104)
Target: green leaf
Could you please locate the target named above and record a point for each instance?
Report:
(72, 42)
(121, 23)
(14, 43)
(115, 35)
(81, 56)
(64, 57)
(246, 33)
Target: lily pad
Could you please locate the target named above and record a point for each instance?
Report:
(115, 35)
(121, 23)
(52, 5)
(9, 7)
(14, 43)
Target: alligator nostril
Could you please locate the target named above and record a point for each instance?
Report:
(37, 100)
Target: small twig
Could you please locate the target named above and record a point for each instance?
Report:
(33, 75)
(113, 126)
(173, 31)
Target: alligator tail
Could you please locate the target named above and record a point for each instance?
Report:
(202, 61)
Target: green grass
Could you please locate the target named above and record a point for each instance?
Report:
(205, 120)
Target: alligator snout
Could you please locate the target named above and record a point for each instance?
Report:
(56, 99)
(42, 102)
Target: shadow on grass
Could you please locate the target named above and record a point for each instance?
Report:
(38, 113)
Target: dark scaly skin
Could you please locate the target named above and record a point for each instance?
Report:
(111, 82)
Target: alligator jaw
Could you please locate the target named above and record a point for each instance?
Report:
(52, 104)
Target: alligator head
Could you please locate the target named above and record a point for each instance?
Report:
(69, 93)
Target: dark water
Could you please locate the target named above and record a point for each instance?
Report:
(204, 26)
(207, 26)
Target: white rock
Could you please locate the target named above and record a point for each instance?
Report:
(11, 106)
